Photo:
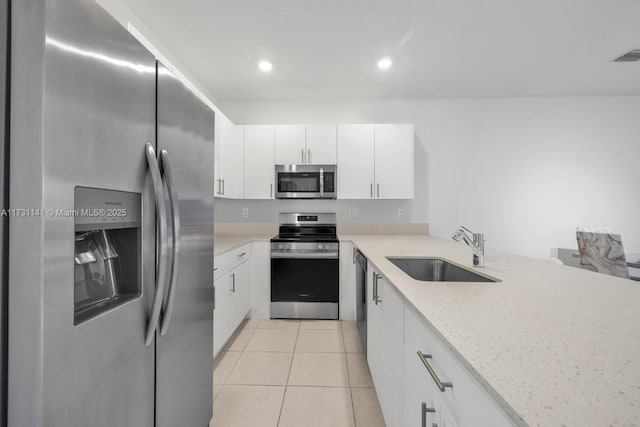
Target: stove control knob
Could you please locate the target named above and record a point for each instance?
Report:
(320, 246)
(280, 246)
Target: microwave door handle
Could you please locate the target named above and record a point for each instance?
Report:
(321, 182)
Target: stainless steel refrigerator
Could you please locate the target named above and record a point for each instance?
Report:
(110, 247)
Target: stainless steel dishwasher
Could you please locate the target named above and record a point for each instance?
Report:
(361, 297)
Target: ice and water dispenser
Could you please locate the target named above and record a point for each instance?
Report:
(108, 250)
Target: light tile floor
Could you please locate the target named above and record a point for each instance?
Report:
(291, 373)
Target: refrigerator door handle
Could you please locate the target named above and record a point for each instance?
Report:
(161, 271)
(167, 308)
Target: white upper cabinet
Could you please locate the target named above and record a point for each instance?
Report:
(355, 161)
(375, 161)
(321, 144)
(230, 181)
(216, 149)
(394, 161)
(290, 144)
(259, 162)
(311, 144)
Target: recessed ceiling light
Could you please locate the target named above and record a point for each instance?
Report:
(265, 65)
(385, 63)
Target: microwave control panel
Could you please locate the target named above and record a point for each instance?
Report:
(329, 182)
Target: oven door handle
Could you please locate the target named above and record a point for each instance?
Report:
(305, 255)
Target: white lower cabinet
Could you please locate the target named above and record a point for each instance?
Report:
(232, 293)
(461, 402)
(446, 420)
(239, 288)
(347, 282)
(260, 277)
(220, 312)
(385, 346)
(419, 380)
(422, 406)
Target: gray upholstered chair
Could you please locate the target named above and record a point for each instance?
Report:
(602, 252)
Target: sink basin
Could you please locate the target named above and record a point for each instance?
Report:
(437, 270)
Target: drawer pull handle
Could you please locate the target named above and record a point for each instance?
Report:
(441, 386)
(242, 254)
(425, 410)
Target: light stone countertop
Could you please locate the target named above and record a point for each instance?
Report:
(555, 345)
(226, 242)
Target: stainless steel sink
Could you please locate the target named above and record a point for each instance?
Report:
(437, 270)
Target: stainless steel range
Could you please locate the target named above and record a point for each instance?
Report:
(305, 267)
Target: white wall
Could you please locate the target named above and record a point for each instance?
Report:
(525, 171)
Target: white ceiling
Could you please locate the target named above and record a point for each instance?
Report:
(442, 48)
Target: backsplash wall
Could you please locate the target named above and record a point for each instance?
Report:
(369, 211)
(525, 171)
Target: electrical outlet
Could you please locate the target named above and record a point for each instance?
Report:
(353, 212)
(400, 212)
(245, 212)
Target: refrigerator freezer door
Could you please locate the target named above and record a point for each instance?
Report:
(184, 353)
(83, 106)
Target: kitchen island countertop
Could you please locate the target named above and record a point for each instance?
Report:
(554, 345)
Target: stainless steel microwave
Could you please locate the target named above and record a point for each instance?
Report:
(305, 182)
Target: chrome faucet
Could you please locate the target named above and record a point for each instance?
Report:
(475, 242)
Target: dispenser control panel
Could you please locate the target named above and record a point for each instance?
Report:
(97, 208)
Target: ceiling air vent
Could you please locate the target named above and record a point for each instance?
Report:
(631, 56)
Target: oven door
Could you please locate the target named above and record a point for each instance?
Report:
(304, 279)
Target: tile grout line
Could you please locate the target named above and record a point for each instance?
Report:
(286, 385)
(353, 406)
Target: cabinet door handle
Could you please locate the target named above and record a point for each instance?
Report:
(371, 190)
(233, 282)
(308, 155)
(302, 156)
(426, 410)
(353, 255)
(378, 190)
(376, 296)
(271, 190)
(441, 386)
(223, 187)
(373, 290)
